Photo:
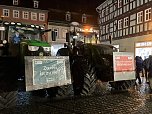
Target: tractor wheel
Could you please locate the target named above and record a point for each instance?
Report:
(89, 84)
(8, 99)
(65, 91)
(122, 85)
(84, 77)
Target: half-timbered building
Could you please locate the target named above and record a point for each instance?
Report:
(127, 24)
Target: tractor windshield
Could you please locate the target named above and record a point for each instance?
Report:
(17, 33)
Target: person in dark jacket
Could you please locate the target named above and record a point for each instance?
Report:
(139, 68)
(149, 65)
(145, 65)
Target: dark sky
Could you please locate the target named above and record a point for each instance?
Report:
(88, 6)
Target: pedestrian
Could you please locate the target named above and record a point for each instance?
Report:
(142, 72)
(145, 66)
(139, 68)
(149, 65)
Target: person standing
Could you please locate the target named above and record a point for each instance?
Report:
(149, 65)
(145, 65)
(139, 68)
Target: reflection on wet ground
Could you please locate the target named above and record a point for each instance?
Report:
(136, 100)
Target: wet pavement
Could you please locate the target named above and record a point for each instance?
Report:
(136, 100)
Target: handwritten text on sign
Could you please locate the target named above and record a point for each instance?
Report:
(48, 70)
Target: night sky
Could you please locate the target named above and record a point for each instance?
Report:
(83, 6)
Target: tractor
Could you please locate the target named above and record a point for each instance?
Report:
(91, 64)
(20, 40)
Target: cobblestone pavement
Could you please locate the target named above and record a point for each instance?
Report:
(137, 100)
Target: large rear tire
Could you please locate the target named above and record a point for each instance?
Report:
(65, 91)
(84, 77)
(8, 99)
(122, 85)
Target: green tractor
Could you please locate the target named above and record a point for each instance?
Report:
(92, 65)
(19, 41)
(25, 40)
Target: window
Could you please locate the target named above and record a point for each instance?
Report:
(107, 10)
(25, 15)
(126, 1)
(120, 24)
(103, 12)
(104, 29)
(15, 2)
(41, 17)
(56, 32)
(68, 16)
(119, 3)
(126, 22)
(36, 4)
(148, 14)
(33, 16)
(84, 18)
(6, 12)
(15, 14)
(139, 17)
(107, 28)
(64, 31)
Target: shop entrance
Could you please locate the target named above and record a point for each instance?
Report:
(143, 49)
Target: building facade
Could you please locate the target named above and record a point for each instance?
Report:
(62, 22)
(127, 24)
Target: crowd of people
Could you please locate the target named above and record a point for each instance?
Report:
(144, 67)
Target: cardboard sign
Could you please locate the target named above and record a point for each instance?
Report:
(46, 72)
(124, 66)
(124, 63)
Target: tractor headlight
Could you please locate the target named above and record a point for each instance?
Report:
(47, 48)
(4, 41)
(33, 48)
